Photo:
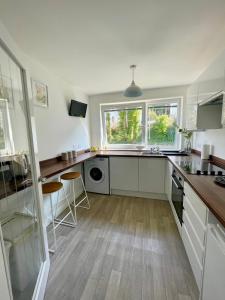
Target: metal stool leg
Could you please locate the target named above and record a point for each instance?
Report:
(74, 200)
(53, 225)
(85, 192)
(62, 221)
(85, 195)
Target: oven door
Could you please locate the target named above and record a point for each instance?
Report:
(177, 198)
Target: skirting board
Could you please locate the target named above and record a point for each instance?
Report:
(139, 194)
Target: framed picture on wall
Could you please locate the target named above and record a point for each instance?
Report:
(40, 93)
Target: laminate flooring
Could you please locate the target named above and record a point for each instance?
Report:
(123, 248)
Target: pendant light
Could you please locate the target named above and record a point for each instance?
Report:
(133, 90)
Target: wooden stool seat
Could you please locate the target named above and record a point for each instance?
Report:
(70, 175)
(51, 187)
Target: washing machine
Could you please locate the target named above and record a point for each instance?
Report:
(96, 173)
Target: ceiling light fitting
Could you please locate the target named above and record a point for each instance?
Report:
(133, 90)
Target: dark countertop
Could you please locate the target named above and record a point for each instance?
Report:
(210, 193)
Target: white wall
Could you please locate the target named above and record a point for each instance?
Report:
(56, 130)
(96, 100)
(215, 137)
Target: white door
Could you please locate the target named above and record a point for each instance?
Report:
(23, 237)
(4, 283)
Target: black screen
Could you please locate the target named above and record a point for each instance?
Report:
(77, 109)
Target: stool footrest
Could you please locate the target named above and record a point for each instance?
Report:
(51, 251)
(77, 204)
(60, 221)
(64, 223)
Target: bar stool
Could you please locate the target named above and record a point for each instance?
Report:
(73, 176)
(50, 188)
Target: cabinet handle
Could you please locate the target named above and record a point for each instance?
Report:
(180, 187)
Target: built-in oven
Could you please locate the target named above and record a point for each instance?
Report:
(177, 194)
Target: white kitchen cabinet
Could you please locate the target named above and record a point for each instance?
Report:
(144, 176)
(168, 180)
(195, 216)
(191, 106)
(212, 80)
(209, 85)
(124, 173)
(214, 269)
(152, 175)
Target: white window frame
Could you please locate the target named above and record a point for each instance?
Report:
(120, 107)
(161, 102)
(144, 104)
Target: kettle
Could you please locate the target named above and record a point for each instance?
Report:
(19, 165)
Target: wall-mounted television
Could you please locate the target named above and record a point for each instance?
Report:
(77, 109)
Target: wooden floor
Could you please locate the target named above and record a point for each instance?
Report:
(123, 248)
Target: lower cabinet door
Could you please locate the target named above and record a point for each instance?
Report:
(168, 180)
(124, 173)
(152, 175)
(192, 256)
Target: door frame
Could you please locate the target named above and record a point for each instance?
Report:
(5, 285)
(41, 282)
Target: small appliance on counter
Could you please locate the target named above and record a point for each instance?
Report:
(220, 180)
(19, 165)
(205, 152)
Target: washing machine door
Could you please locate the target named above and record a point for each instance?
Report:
(96, 174)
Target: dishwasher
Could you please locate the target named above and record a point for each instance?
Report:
(214, 272)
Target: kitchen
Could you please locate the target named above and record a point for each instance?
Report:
(109, 192)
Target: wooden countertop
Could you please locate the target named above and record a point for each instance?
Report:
(210, 193)
(52, 167)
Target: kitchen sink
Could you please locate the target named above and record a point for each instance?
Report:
(173, 152)
(150, 153)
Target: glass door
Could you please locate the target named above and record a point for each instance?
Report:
(21, 224)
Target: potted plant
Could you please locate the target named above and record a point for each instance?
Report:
(187, 134)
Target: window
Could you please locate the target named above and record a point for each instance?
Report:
(161, 124)
(146, 123)
(123, 125)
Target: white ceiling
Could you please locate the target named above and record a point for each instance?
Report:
(91, 43)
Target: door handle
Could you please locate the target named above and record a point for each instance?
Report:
(179, 187)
